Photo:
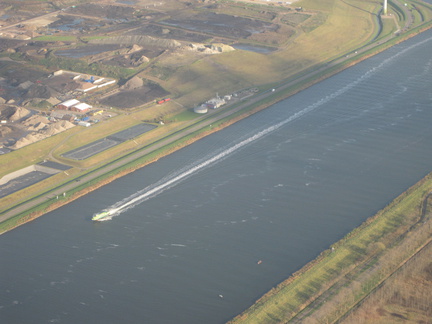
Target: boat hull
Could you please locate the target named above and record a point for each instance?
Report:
(100, 216)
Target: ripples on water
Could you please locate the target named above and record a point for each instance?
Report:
(278, 187)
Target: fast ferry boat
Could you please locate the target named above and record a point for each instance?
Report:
(100, 216)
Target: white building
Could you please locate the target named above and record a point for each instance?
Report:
(216, 102)
(202, 109)
(66, 105)
(81, 107)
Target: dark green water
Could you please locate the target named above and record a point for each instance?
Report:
(279, 186)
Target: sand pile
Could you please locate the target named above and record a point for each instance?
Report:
(134, 48)
(142, 59)
(134, 83)
(57, 127)
(37, 127)
(29, 139)
(35, 120)
(44, 132)
(19, 113)
(4, 130)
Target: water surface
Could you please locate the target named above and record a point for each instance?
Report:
(282, 186)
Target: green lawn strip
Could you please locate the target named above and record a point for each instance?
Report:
(388, 27)
(398, 11)
(424, 9)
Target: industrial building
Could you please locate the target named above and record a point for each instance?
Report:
(74, 105)
(85, 82)
(66, 105)
(81, 107)
(215, 103)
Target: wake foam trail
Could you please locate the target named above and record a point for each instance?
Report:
(168, 182)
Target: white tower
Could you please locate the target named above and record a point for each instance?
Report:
(385, 7)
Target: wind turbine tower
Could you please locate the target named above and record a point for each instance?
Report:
(385, 8)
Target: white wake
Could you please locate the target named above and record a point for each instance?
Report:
(170, 181)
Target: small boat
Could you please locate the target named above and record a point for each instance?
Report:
(259, 262)
(100, 216)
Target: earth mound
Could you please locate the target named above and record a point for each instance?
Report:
(133, 83)
(39, 91)
(18, 113)
(44, 130)
(5, 130)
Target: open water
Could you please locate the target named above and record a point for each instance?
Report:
(279, 187)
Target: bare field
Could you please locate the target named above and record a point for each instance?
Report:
(135, 97)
